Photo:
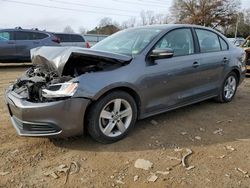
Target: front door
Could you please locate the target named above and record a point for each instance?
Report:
(172, 81)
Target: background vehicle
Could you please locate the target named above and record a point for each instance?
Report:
(15, 44)
(94, 38)
(72, 40)
(236, 41)
(246, 47)
(133, 74)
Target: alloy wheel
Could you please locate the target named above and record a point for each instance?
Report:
(230, 87)
(115, 117)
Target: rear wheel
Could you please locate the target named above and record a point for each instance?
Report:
(228, 88)
(112, 117)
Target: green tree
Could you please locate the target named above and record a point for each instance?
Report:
(205, 12)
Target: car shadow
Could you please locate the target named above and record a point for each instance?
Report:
(201, 124)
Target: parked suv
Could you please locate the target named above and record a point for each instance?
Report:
(72, 40)
(15, 44)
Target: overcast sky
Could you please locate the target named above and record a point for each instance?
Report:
(55, 15)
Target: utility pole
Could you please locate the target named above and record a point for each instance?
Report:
(236, 29)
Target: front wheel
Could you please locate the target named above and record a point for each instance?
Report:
(228, 88)
(112, 117)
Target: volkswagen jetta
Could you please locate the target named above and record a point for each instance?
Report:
(133, 74)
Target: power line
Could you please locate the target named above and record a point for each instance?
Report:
(142, 4)
(159, 2)
(91, 6)
(63, 8)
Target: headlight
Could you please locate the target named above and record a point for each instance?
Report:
(60, 90)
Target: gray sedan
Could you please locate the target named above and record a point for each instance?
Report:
(133, 74)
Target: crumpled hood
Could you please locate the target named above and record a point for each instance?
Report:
(55, 58)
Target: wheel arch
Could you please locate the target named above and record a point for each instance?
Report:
(237, 72)
(126, 89)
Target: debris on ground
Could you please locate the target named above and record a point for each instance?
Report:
(202, 129)
(177, 149)
(242, 171)
(162, 172)
(197, 138)
(230, 148)
(218, 131)
(184, 133)
(120, 182)
(183, 160)
(73, 168)
(4, 173)
(62, 168)
(221, 157)
(136, 177)
(153, 122)
(52, 174)
(190, 167)
(143, 164)
(218, 122)
(152, 178)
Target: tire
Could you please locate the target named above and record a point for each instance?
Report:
(224, 96)
(107, 120)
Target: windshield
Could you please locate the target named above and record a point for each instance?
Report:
(128, 42)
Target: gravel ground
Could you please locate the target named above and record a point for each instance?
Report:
(217, 134)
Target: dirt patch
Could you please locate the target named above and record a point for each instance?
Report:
(217, 134)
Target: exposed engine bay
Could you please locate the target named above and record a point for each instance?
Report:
(43, 79)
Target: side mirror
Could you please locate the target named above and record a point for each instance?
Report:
(162, 53)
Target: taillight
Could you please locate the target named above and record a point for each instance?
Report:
(87, 45)
(56, 40)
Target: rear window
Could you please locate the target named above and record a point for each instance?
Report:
(26, 35)
(70, 38)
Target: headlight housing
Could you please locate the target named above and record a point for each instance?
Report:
(60, 90)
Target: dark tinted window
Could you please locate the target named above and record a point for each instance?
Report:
(70, 38)
(223, 44)
(26, 35)
(63, 37)
(180, 40)
(38, 36)
(77, 38)
(5, 35)
(209, 41)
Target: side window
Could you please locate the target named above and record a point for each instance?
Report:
(209, 41)
(24, 35)
(5, 36)
(38, 36)
(223, 44)
(180, 40)
(63, 37)
(77, 38)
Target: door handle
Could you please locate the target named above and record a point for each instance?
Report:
(35, 42)
(225, 60)
(11, 43)
(196, 64)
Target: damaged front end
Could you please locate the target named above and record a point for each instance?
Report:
(52, 76)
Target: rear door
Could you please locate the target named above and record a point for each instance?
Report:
(7, 45)
(214, 57)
